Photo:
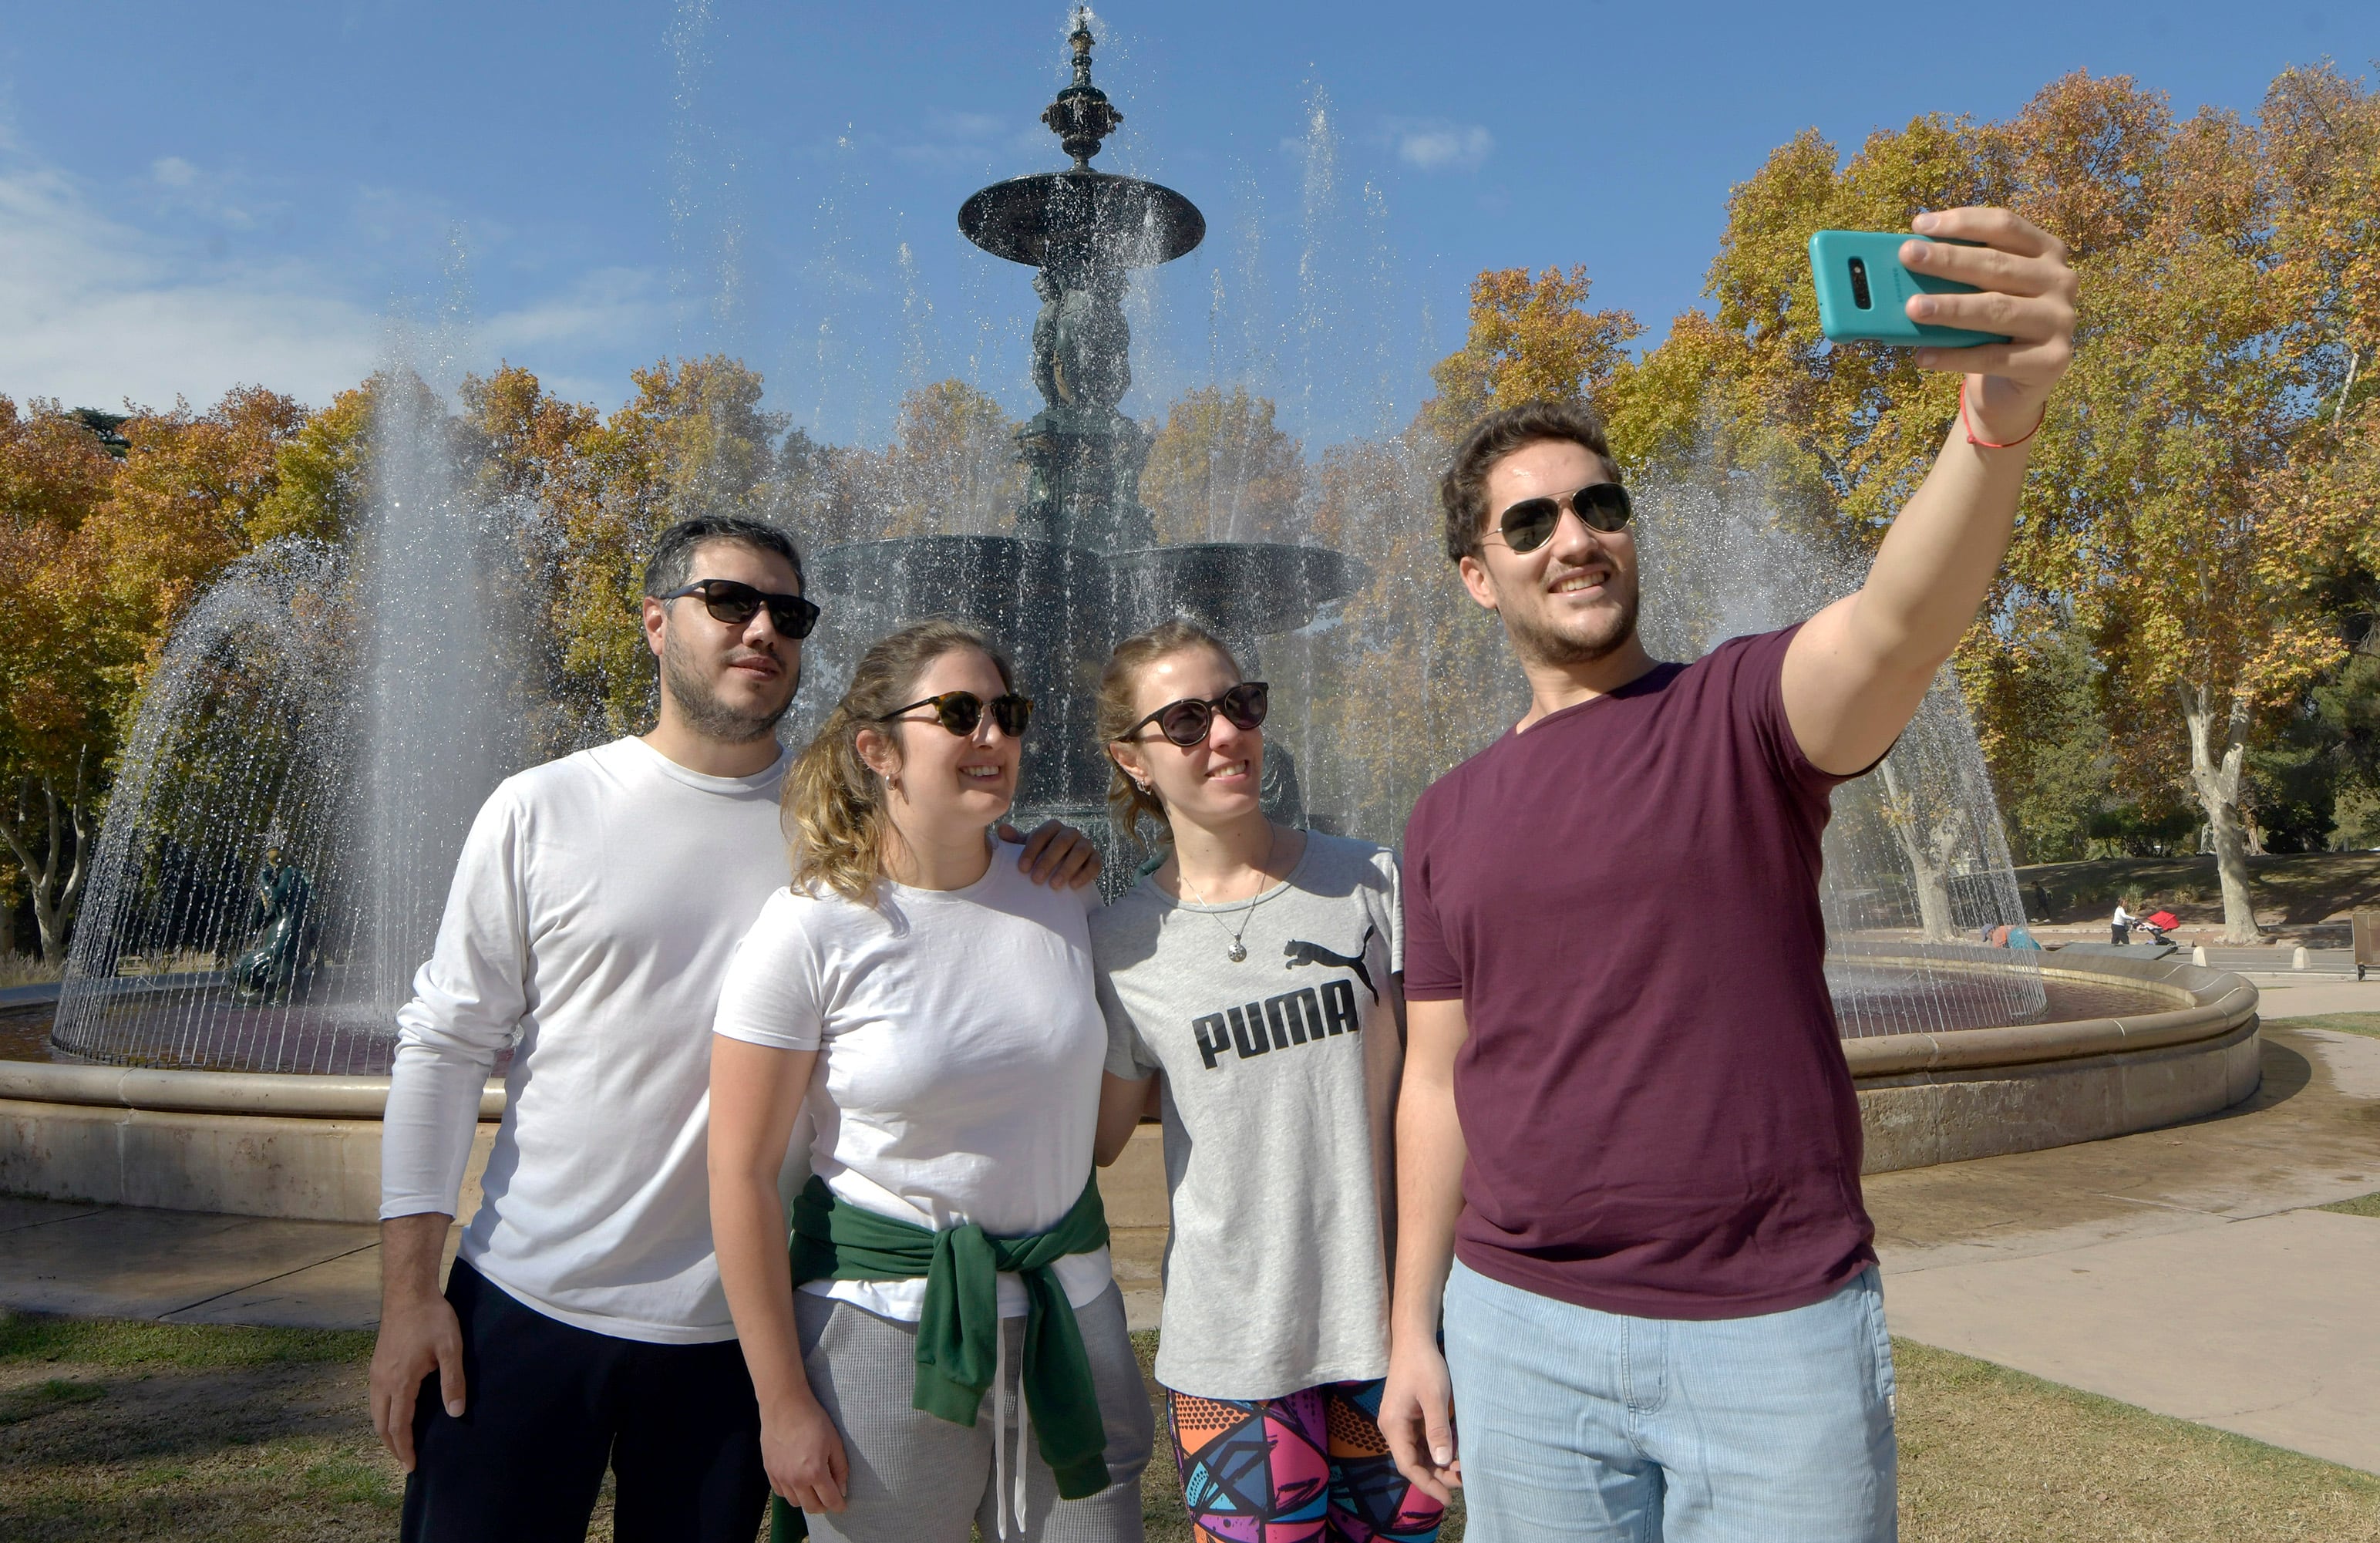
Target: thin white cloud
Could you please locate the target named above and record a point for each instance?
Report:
(611, 308)
(1436, 146)
(96, 309)
(93, 312)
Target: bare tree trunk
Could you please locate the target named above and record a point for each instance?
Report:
(1929, 856)
(55, 876)
(2214, 770)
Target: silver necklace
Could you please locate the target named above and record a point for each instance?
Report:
(1239, 951)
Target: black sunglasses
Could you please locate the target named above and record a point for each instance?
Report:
(733, 603)
(1186, 723)
(1529, 523)
(959, 711)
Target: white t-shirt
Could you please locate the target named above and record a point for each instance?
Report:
(960, 1047)
(594, 908)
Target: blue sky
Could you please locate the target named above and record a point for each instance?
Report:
(192, 196)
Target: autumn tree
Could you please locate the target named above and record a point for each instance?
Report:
(1221, 470)
(1529, 337)
(952, 467)
(104, 557)
(694, 439)
(2216, 257)
(1411, 676)
(53, 655)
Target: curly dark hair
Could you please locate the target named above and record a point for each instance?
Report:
(1463, 492)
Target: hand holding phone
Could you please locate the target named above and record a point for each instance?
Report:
(1991, 296)
(1865, 289)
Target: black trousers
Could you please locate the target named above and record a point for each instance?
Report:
(549, 1406)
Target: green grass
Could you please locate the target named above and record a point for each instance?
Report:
(135, 1430)
(2362, 1205)
(24, 1403)
(109, 1342)
(1990, 1455)
(2337, 1023)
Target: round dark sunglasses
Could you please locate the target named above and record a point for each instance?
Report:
(959, 711)
(735, 603)
(1530, 524)
(1186, 723)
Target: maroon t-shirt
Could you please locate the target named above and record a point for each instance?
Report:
(1625, 900)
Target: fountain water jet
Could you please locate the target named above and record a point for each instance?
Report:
(360, 704)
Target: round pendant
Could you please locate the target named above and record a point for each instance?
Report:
(1239, 951)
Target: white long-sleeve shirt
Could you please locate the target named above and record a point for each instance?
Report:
(594, 909)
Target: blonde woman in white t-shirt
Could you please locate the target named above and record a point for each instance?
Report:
(946, 1345)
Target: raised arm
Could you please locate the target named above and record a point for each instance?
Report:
(756, 1096)
(1855, 672)
(1416, 1407)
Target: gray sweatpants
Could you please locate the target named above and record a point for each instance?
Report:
(916, 1478)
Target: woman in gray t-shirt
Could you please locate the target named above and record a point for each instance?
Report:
(1258, 970)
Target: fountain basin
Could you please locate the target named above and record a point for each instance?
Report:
(2189, 1050)
(1241, 590)
(1033, 219)
(261, 1143)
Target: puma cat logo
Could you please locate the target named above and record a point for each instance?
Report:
(1314, 954)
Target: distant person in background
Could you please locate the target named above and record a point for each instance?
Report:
(594, 908)
(2119, 927)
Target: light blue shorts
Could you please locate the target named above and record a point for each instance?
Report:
(1581, 1424)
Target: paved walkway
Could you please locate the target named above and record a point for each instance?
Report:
(2182, 1269)
(187, 1267)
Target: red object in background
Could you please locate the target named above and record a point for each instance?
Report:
(2164, 922)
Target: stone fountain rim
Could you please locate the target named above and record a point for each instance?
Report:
(2208, 1004)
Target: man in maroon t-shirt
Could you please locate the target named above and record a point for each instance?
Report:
(1628, 1149)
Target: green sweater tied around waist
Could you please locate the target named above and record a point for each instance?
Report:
(834, 1240)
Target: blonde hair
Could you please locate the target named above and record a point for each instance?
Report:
(1128, 802)
(833, 808)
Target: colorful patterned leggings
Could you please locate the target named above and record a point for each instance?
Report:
(1311, 1467)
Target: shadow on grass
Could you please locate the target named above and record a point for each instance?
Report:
(117, 1342)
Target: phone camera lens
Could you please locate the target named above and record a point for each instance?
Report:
(1860, 297)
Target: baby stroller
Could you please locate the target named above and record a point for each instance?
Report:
(2156, 924)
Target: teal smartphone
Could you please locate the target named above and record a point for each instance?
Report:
(1864, 293)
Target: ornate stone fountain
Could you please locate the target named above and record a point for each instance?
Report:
(1082, 571)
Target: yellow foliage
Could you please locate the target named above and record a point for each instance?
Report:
(1221, 470)
(1529, 338)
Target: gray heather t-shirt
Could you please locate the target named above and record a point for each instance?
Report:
(1279, 1073)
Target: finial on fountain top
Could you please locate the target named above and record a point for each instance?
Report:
(1081, 116)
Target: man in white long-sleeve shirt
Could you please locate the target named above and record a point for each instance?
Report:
(594, 908)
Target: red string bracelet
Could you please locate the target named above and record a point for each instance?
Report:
(1968, 424)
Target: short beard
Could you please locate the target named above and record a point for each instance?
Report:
(1542, 645)
(699, 705)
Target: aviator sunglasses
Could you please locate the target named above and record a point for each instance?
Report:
(959, 711)
(733, 602)
(1186, 723)
(1529, 523)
